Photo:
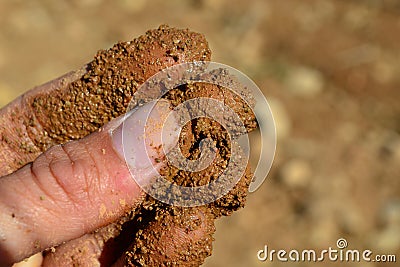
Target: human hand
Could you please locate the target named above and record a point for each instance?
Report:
(68, 200)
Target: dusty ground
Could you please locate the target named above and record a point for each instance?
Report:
(331, 72)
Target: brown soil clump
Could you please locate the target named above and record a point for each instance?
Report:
(162, 235)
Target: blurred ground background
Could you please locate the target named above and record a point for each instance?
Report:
(331, 71)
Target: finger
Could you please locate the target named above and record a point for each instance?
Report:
(88, 250)
(78, 187)
(76, 105)
(187, 232)
(16, 146)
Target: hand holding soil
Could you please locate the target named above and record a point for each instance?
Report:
(66, 189)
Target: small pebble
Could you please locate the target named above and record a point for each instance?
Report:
(296, 173)
(305, 81)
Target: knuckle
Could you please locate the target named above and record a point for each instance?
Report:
(76, 176)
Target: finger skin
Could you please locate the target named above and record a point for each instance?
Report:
(69, 190)
(86, 250)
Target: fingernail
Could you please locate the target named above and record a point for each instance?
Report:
(145, 135)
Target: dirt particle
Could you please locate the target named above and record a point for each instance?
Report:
(36, 244)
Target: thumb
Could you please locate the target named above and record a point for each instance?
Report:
(78, 187)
